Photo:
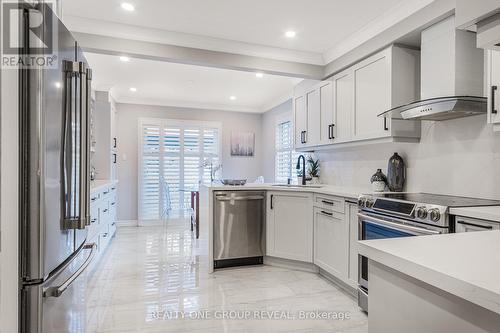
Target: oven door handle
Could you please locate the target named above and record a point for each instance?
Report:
(397, 226)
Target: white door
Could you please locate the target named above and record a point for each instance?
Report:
(494, 86)
(290, 226)
(372, 96)
(352, 212)
(327, 119)
(343, 105)
(300, 123)
(313, 117)
(331, 242)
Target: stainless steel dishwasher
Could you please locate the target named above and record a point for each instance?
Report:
(239, 224)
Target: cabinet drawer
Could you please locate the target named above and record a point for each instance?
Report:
(104, 212)
(104, 237)
(94, 221)
(105, 192)
(335, 204)
(94, 197)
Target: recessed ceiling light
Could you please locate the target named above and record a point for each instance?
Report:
(233, 98)
(58, 85)
(124, 59)
(128, 6)
(132, 89)
(290, 34)
(259, 75)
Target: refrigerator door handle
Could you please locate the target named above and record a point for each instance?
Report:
(59, 290)
(75, 152)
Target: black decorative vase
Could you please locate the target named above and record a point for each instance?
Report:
(396, 173)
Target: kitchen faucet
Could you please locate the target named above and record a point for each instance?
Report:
(303, 168)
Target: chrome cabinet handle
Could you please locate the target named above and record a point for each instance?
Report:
(249, 197)
(59, 290)
(493, 91)
(397, 226)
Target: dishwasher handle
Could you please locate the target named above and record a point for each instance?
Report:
(241, 198)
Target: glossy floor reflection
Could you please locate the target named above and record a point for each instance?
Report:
(150, 277)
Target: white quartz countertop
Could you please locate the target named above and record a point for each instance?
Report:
(339, 191)
(491, 213)
(466, 265)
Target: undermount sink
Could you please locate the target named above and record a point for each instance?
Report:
(298, 186)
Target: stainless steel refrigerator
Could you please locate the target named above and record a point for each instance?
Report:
(54, 181)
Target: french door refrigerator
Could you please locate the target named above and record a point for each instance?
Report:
(54, 182)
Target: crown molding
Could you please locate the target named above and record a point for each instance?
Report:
(375, 27)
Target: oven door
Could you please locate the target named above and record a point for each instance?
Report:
(377, 226)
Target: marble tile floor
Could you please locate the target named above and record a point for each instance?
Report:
(155, 279)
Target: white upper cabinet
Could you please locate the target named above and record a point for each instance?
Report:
(493, 86)
(300, 120)
(313, 98)
(372, 96)
(345, 108)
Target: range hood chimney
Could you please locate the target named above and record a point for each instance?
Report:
(451, 76)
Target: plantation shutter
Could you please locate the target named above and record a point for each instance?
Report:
(149, 204)
(172, 156)
(283, 162)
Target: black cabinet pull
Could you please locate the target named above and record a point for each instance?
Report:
(93, 221)
(105, 210)
(114, 158)
(330, 131)
(326, 213)
(272, 197)
(113, 203)
(114, 142)
(385, 124)
(327, 202)
(493, 91)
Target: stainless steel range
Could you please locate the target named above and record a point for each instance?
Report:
(391, 215)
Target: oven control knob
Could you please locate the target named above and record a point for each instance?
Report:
(422, 212)
(434, 214)
(362, 202)
(369, 203)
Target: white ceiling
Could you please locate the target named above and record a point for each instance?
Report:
(322, 26)
(163, 83)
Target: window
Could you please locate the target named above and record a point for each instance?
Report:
(286, 158)
(174, 155)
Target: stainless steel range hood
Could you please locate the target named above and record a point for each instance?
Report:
(440, 108)
(451, 76)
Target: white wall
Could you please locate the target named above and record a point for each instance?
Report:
(127, 134)
(455, 157)
(268, 137)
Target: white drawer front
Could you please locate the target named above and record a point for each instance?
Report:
(335, 204)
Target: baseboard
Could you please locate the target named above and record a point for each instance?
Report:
(291, 264)
(341, 284)
(127, 223)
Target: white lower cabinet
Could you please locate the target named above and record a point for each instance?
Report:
(102, 218)
(289, 226)
(331, 242)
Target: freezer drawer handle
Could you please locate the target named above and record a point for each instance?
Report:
(59, 290)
